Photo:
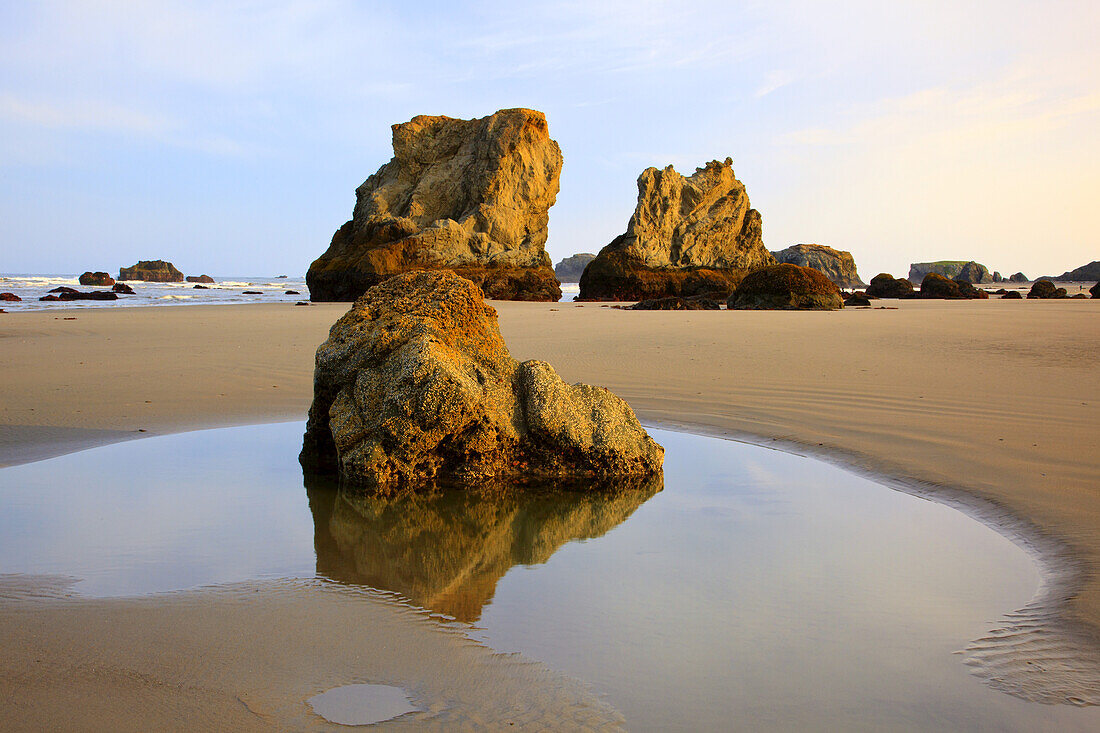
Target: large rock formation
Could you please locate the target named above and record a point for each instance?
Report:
(688, 236)
(950, 269)
(1018, 277)
(885, 285)
(157, 271)
(96, 278)
(415, 385)
(446, 550)
(936, 286)
(786, 287)
(837, 265)
(571, 268)
(470, 196)
(974, 273)
(1045, 290)
(1084, 273)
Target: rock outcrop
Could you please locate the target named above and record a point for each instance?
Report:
(471, 196)
(1084, 273)
(571, 268)
(1019, 277)
(936, 286)
(974, 273)
(122, 289)
(857, 300)
(786, 287)
(885, 285)
(1045, 290)
(96, 278)
(446, 550)
(415, 385)
(93, 295)
(10, 297)
(688, 236)
(837, 265)
(157, 271)
(206, 279)
(1012, 295)
(950, 269)
(1095, 290)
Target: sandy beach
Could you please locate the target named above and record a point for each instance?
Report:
(994, 399)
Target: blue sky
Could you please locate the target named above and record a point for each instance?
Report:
(229, 137)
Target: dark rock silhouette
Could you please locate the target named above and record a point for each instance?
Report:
(96, 278)
(157, 271)
(885, 285)
(786, 287)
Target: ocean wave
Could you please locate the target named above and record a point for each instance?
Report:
(175, 297)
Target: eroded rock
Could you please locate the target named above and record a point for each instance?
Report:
(786, 287)
(10, 297)
(937, 286)
(122, 289)
(471, 196)
(206, 279)
(969, 270)
(1045, 290)
(885, 285)
(96, 278)
(415, 385)
(571, 268)
(688, 236)
(837, 265)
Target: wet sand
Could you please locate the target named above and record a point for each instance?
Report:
(996, 399)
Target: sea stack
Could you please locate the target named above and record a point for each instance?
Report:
(157, 271)
(688, 236)
(470, 196)
(415, 386)
(835, 264)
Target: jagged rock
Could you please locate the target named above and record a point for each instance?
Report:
(1095, 290)
(786, 287)
(885, 285)
(837, 265)
(1019, 277)
(446, 550)
(937, 286)
(415, 385)
(1084, 273)
(96, 278)
(973, 273)
(688, 236)
(10, 297)
(571, 268)
(998, 277)
(157, 271)
(471, 196)
(1012, 295)
(676, 303)
(122, 289)
(949, 269)
(1045, 290)
(206, 279)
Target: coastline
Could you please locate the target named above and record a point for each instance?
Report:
(983, 399)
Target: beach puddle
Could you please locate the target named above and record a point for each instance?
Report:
(362, 704)
(748, 588)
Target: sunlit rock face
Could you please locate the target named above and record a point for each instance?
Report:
(415, 385)
(835, 264)
(447, 550)
(472, 196)
(688, 236)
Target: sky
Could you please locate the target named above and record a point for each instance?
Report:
(229, 137)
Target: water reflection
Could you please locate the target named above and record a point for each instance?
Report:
(446, 551)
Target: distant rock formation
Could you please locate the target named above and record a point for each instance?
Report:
(974, 273)
(951, 269)
(998, 277)
(96, 278)
(471, 196)
(446, 551)
(1084, 273)
(10, 297)
(122, 289)
(885, 285)
(688, 236)
(837, 265)
(1019, 277)
(937, 286)
(415, 385)
(1045, 290)
(157, 271)
(786, 287)
(200, 279)
(571, 268)
(1095, 290)
(676, 303)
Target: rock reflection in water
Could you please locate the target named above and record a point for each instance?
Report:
(446, 550)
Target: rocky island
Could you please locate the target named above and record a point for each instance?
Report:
(571, 268)
(470, 196)
(837, 265)
(688, 236)
(157, 271)
(415, 386)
